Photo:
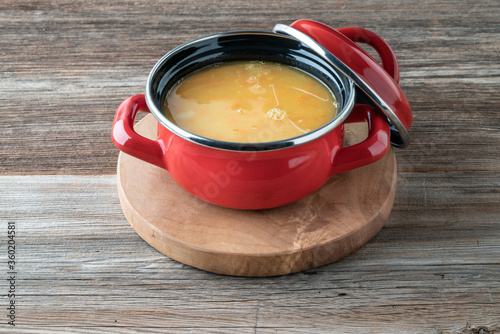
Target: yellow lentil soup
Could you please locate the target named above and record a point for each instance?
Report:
(250, 102)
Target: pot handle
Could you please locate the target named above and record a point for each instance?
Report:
(128, 141)
(387, 56)
(374, 147)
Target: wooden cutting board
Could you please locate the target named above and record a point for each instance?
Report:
(322, 228)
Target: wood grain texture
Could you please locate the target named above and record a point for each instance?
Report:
(333, 222)
(66, 65)
(83, 269)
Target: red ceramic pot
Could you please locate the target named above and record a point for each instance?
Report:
(251, 175)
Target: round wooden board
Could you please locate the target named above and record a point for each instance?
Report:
(322, 228)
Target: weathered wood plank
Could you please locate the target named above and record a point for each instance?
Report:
(82, 268)
(66, 66)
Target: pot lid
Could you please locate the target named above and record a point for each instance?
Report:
(350, 59)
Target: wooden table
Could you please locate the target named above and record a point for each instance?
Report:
(80, 268)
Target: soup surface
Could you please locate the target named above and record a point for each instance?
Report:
(250, 102)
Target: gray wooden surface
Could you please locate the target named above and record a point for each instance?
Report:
(64, 68)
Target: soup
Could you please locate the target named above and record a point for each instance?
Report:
(250, 102)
